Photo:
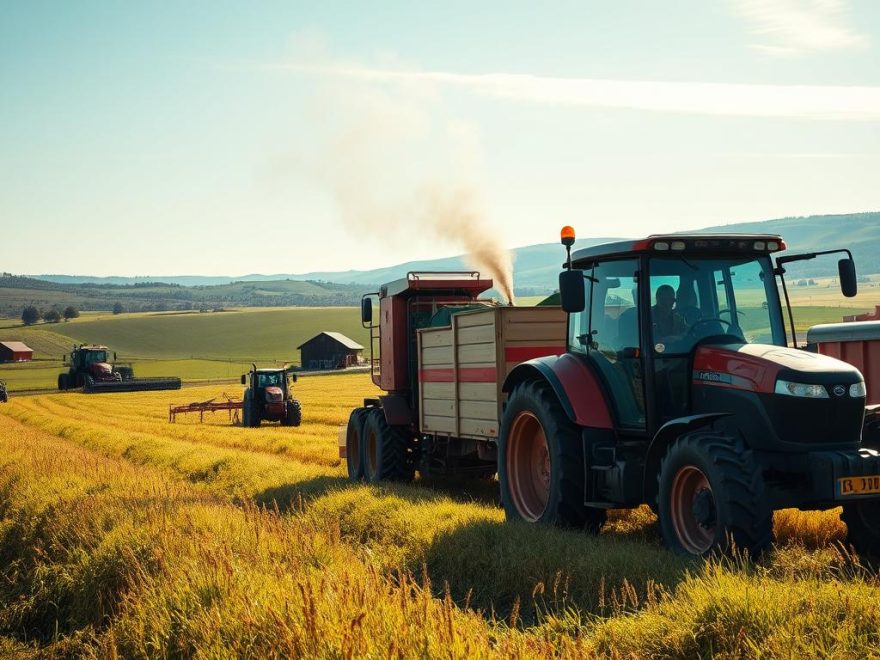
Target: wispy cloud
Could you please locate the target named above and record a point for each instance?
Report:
(860, 103)
(794, 27)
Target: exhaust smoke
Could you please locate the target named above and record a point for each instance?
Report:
(403, 174)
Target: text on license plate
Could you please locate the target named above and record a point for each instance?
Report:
(858, 485)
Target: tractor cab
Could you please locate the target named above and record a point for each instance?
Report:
(660, 318)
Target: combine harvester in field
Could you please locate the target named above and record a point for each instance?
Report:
(667, 378)
(90, 369)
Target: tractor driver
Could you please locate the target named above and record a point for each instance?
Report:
(668, 325)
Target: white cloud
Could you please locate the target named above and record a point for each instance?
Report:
(860, 103)
(793, 27)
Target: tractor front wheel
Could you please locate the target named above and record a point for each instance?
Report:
(63, 382)
(354, 446)
(293, 414)
(863, 526)
(541, 462)
(385, 447)
(711, 497)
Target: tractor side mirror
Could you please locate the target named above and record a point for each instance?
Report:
(572, 292)
(293, 376)
(244, 379)
(366, 311)
(846, 269)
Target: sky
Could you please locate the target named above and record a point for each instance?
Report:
(226, 138)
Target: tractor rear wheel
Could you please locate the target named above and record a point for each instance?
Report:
(541, 462)
(293, 415)
(354, 446)
(712, 498)
(63, 382)
(385, 447)
(863, 526)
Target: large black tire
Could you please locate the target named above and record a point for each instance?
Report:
(250, 414)
(550, 490)
(354, 446)
(386, 450)
(63, 382)
(712, 497)
(246, 411)
(293, 414)
(863, 526)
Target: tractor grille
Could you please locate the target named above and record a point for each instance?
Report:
(835, 421)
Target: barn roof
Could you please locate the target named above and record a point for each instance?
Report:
(17, 346)
(339, 337)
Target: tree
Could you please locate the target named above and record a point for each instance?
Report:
(118, 308)
(52, 316)
(71, 312)
(30, 315)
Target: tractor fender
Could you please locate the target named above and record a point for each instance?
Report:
(575, 384)
(665, 436)
(397, 410)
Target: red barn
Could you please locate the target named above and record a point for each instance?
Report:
(15, 351)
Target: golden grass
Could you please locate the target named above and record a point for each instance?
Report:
(123, 534)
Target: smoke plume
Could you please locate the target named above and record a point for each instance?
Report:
(404, 173)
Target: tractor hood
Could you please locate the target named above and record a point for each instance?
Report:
(274, 394)
(100, 368)
(757, 367)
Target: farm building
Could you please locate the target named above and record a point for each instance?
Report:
(15, 351)
(329, 350)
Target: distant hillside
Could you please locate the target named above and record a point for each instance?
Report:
(19, 292)
(860, 232)
(535, 271)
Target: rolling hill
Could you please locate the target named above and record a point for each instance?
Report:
(535, 269)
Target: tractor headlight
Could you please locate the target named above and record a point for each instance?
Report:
(801, 389)
(857, 390)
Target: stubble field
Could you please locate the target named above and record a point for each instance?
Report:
(122, 534)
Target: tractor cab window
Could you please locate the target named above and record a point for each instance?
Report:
(607, 331)
(268, 380)
(723, 300)
(693, 299)
(95, 356)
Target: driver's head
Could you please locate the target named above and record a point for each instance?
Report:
(665, 298)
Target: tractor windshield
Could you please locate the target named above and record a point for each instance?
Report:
(274, 378)
(91, 357)
(730, 297)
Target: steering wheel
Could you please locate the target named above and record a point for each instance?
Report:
(727, 311)
(714, 319)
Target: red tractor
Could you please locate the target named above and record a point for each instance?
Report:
(269, 397)
(674, 382)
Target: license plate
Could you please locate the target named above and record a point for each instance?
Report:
(858, 486)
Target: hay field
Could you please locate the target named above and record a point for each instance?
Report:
(124, 535)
